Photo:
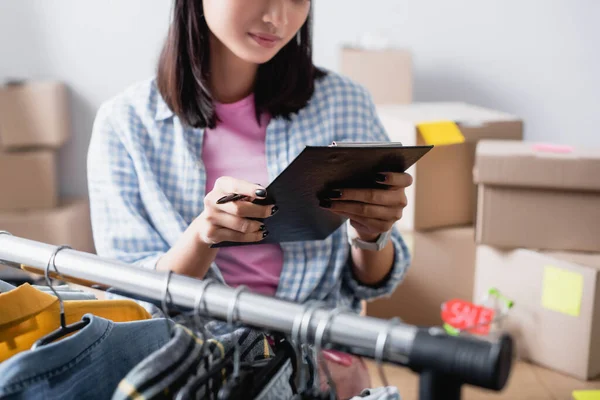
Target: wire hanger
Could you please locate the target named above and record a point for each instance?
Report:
(232, 311)
(313, 392)
(304, 360)
(196, 380)
(64, 329)
(164, 304)
(382, 339)
(322, 330)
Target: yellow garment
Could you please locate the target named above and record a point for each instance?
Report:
(27, 314)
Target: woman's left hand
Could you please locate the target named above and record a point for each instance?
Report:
(371, 211)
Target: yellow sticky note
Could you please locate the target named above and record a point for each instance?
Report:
(586, 395)
(440, 133)
(562, 290)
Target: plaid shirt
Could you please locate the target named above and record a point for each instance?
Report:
(147, 184)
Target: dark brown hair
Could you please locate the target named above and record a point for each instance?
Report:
(284, 84)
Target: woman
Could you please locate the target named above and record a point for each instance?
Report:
(235, 99)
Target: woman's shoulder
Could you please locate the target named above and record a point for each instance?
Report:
(341, 91)
(140, 102)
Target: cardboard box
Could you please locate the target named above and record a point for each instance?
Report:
(28, 180)
(34, 114)
(443, 193)
(556, 317)
(69, 224)
(442, 268)
(386, 74)
(532, 196)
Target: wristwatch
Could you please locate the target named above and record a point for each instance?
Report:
(377, 245)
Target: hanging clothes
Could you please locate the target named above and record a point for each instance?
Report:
(279, 387)
(86, 365)
(349, 372)
(65, 291)
(26, 314)
(169, 369)
(380, 393)
(163, 372)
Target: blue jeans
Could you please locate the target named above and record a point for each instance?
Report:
(87, 365)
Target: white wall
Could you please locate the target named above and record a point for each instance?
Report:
(539, 59)
(98, 47)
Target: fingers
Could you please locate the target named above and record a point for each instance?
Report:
(359, 209)
(234, 223)
(370, 196)
(394, 195)
(221, 226)
(234, 196)
(217, 235)
(227, 185)
(245, 209)
(229, 212)
(398, 179)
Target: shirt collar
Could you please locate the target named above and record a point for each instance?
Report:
(23, 303)
(162, 109)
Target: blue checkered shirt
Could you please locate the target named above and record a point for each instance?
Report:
(147, 184)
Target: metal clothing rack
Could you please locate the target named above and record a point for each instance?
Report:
(445, 363)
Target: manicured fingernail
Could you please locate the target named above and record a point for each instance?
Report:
(265, 234)
(262, 228)
(223, 199)
(274, 210)
(260, 192)
(333, 194)
(380, 177)
(325, 203)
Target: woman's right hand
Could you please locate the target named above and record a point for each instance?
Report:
(192, 255)
(234, 220)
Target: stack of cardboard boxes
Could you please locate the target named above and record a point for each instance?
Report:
(35, 123)
(438, 222)
(488, 210)
(538, 235)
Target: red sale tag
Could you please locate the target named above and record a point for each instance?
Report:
(464, 315)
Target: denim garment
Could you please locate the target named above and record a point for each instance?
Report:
(87, 365)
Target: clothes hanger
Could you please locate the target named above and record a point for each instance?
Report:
(314, 384)
(306, 363)
(322, 329)
(195, 354)
(198, 324)
(232, 311)
(379, 350)
(230, 361)
(39, 311)
(164, 304)
(199, 379)
(64, 329)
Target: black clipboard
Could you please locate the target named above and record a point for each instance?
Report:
(319, 168)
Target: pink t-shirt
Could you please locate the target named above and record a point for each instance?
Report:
(236, 148)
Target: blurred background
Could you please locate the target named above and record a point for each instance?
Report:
(537, 59)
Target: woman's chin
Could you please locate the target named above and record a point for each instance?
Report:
(257, 55)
